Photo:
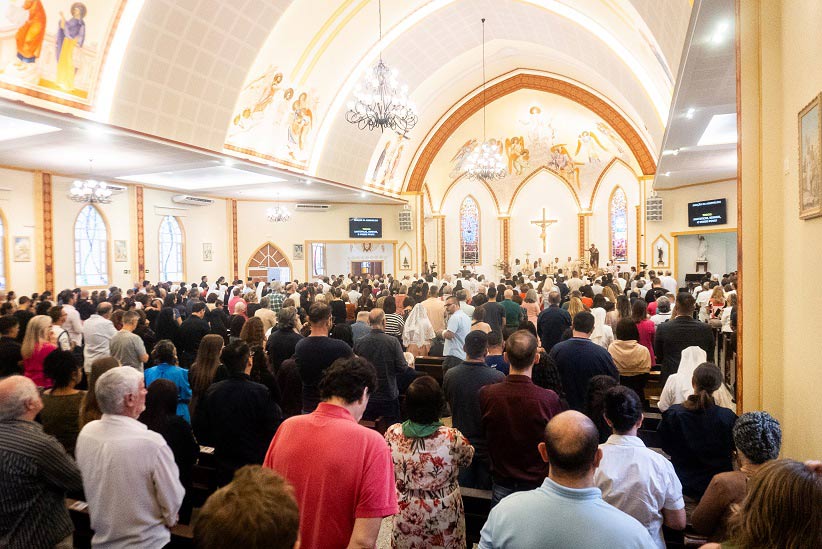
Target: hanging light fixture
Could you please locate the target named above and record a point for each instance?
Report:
(485, 160)
(380, 101)
(90, 191)
(279, 213)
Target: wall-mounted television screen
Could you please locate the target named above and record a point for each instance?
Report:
(708, 212)
(364, 227)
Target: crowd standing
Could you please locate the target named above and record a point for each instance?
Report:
(107, 396)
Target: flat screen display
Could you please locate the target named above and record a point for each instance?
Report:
(364, 227)
(708, 212)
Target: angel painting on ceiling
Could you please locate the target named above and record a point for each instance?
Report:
(539, 129)
(302, 120)
(587, 144)
(518, 155)
(271, 84)
(458, 160)
(386, 166)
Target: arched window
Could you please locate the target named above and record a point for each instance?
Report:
(171, 250)
(619, 225)
(91, 248)
(469, 231)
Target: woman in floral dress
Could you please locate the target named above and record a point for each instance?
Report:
(427, 457)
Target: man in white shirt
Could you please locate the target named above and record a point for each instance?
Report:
(97, 333)
(597, 286)
(575, 282)
(634, 479)
(72, 324)
(130, 479)
(702, 299)
(669, 283)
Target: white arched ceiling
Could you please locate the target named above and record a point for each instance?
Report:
(187, 62)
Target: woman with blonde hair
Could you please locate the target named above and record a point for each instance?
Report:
(37, 344)
(205, 369)
(783, 508)
(89, 408)
(253, 332)
(575, 306)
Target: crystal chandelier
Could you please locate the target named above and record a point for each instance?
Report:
(90, 191)
(485, 160)
(380, 101)
(278, 214)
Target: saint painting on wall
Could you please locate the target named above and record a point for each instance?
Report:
(55, 50)
(810, 159)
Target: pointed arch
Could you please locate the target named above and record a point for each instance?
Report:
(91, 253)
(618, 225)
(614, 161)
(267, 255)
(460, 178)
(469, 224)
(535, 173)
(171, 240)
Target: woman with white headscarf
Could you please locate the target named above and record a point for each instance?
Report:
(418, 331)
(679, 386)
(602, 335)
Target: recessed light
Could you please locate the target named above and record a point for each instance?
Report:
(690, 113)
(228, 162)
(665, 174)
(363, 194)
(670, 152)
(719, 35)
(721, 130)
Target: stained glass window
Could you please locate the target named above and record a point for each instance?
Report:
(469, 231)
(619, 226)
(318, 258)
(90, 248)
(171, 250)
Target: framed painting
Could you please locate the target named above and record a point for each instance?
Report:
(810, 159)
(299, 252)
(208, 251)
(120, 251)
(22, 249)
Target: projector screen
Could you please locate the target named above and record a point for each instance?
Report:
(364, 227)
(707, 212)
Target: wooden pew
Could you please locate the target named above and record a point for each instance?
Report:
(477, 505)
(182, 535)
(430, 365)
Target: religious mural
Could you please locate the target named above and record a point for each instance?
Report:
(382, 174)
(274, 119)
(55, 49)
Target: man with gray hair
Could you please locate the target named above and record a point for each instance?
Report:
(130, 479)
(36, 473)
(97, 333)
(126, 346)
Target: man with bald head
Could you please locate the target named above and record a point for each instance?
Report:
(385, 353)
(37, 473)
(568, 509)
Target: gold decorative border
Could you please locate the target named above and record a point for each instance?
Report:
(235, 239)
(535, 173)
(505, 222)
(48, 232)
(460, 178)
(141, 235)
(441, 222)
(581, 236)
(539, 83)
(638, 236)
(602, 176)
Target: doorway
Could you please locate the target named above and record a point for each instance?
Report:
(367, 267)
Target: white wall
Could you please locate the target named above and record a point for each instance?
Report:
(489, 227)
(598, 224)
(721, 253)
(547, 191)
(17, 205)
(338, 257)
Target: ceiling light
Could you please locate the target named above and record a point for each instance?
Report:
(665, 174)
(670, 152)
(690, 113)
(15, 128)
(363, 194)
(380, 101)
(279, 213)
(485, 161)
(719, 35)
(228, 162)
(90, 191)
(721, 130)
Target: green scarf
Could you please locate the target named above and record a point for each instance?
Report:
(420, 430)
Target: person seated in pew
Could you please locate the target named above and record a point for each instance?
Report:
(257, 510)
(567, 510)
(633, 478)
(697, 434)
(131, 482)
(758, 439)
(783, 508)
(37, 473)
(427, 457)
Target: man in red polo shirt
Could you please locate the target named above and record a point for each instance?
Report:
(341, 472)
(514, 415)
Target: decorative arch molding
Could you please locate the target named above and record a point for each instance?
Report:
(267, 255)
(535, 173)
(614, 161)
(460, 178)
(618, 188)
(537, 82)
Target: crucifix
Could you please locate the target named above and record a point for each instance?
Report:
(543, 224)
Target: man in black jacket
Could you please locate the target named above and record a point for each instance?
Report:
(679, 333)
(191, 332)
(552, 322)
(236, 416)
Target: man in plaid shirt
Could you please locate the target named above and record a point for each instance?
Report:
(276, 297)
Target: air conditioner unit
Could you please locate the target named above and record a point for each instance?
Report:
(191, 200)
(312, 207)
(116, 188)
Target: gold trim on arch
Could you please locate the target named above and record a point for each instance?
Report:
(532, 175)
(317, 36)
(602, 174)
(707, 231)
(669, 266)
(537, 82)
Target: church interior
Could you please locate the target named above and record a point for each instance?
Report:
(174, 139)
